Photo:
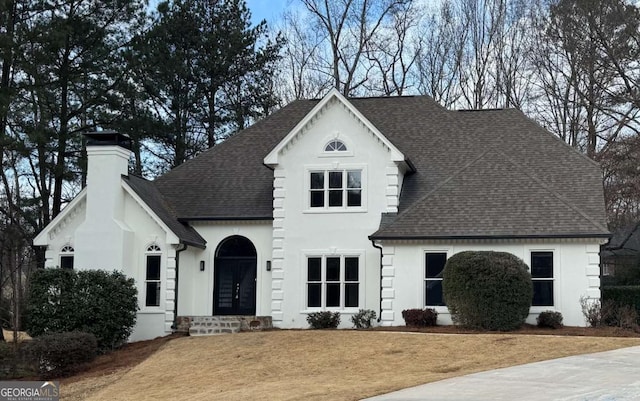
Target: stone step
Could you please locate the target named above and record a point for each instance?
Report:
(214, 325)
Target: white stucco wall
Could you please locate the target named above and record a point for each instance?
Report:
(133, 237)
(195, 292)
(61, 231)
(300, 231)
(576, 274)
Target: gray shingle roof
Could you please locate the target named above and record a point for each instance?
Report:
(230, 181)
(478, 174)
(150, 195)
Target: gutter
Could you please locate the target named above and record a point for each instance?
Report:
(223, 218)
(175, 304)
(380, 306)
(476, 237)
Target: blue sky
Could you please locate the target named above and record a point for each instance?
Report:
(269, 10)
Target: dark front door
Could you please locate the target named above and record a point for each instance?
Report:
(234, 290)
(235, 287)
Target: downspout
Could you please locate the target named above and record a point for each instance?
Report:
(380, 306)
(183, 247)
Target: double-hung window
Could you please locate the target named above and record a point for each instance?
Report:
(433, 269)
(152, 278)
(333, 282)
(335, 189)
(542, 277)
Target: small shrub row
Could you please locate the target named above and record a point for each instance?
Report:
(550, 319)
(11, 362)
(47, 356)
(323, 320)
(420, 317)
(61, 354)
(623, 295)
(363, 319)
(609, 313)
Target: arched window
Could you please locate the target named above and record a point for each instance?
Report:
(152, 278)
(66, 257)
(335, 145)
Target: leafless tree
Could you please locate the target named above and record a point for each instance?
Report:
(393, 54)
(350, 26)
(442, 39)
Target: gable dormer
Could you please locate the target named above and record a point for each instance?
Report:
(336, 146)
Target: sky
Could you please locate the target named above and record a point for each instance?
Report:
(269, 10)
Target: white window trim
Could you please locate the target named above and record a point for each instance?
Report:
(554, 279)
(335, 153)
(423, 291)
(152, 249)
(67, 250)
(324, 254)
(306, 207)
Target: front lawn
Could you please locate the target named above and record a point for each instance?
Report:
(319, 364)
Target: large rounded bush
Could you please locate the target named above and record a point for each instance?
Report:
(92, 301)
(487, 290)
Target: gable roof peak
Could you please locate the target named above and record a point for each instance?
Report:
(334, 95)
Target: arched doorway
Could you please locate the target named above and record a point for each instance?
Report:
(234, 290)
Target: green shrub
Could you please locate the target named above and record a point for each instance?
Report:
(622, 295)
(11, 362)
(487, 290)
(61, 354)
(91, 301)
(420, 317)
(550, 319)
(362, 319)
(324, 320)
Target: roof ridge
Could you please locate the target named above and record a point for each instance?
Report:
(552, 191)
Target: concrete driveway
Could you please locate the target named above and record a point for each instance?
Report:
(610, 375)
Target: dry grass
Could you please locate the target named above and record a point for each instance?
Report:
(315, 365)
(8, 336)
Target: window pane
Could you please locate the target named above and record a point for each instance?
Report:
(542, 293)
(333, 294)
(354, 197)
(340, 146)
(335, 179)
(317, 180)
(313, 269)
(317, 198)
(313, 295)
(353, 179)
(433, 293)
(351, 269)
(153, 294)
(335, 198)
(333, 269)
(66, 262)
(435, 264)
(153, 267)
(351, 295)
(542, 264)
